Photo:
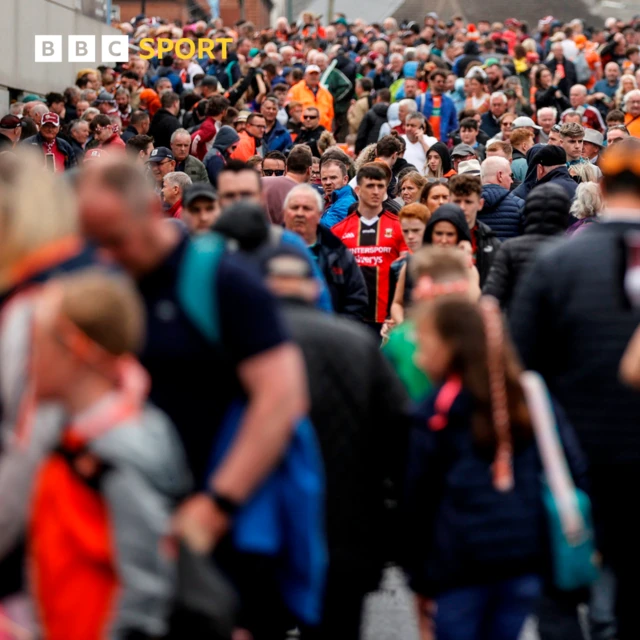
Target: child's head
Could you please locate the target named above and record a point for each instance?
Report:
(84, 323)
(413, 220)
(466, 192)
(469, 131)
(457, 338)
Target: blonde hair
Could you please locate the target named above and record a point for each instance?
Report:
(107, 308)
(37, 207)
(620, 95)
(586, 171)
(588, 201)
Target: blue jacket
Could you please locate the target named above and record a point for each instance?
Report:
(502, 211)
(448, 116)
(64, 147)
(461, 530)
(341, 200)
(278, 139)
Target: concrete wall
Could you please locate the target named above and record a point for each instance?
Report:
(21, 21)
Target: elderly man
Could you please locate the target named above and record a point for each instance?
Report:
(161, 162)
(632, 117)
(547, 117)
(78, 136)
(309, 92)
(58, 153)
(180, 145)
(592, 145)
(302, 213)
(604, 90)
(591, 118)
(502, 211)
(173, 186)
(10, 128)
(490, 123)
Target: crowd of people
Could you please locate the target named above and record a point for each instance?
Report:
(350, 296)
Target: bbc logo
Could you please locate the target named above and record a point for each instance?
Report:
(81, 49)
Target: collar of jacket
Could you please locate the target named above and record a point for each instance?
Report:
(341, 193)
(325, 238)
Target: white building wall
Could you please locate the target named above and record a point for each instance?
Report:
(22, 20)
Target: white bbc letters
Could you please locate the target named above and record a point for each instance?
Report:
(115, 48)
(82, 49)
(48, 49)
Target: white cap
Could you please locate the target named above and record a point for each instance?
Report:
(313, 67)
(524, 121)
(470, 166)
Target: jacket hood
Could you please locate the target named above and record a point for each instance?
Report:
(441, 149)
(448, 213)
(246, 223)
(546, 210)
(471, 48)
(225, 138)
(493, 195)
(531, 177)
(388, 111)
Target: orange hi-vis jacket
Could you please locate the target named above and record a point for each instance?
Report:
(322, 101)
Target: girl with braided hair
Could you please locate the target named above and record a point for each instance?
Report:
(476, 554)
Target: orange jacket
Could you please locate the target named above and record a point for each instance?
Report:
(246, 147)
(633, 124)
(323, 101)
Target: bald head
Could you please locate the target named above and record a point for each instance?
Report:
(497, 170)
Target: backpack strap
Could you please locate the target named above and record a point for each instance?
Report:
(197, 284)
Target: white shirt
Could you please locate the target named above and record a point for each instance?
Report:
(415, 154)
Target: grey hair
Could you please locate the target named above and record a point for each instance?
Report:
(76, 123)
(416, 115)
(550, 110)
(304, 189)
(588, 201)
(178, 179)
(41, 109)
(586, 171)
(16, 108)
(410, 103)
(632, 94)
(91, 111)
(179, 132)
(499, 94)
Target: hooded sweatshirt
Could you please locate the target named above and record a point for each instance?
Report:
(441, 149)
(216, 159)
(532, 173)
(448, 213)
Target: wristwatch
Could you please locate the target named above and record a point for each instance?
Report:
(227, 505)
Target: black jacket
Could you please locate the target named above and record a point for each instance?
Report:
(548, 98)
(310, 137)
(77, 149)
(561, 176)
(546, 214)
(487, 246)
(570, 74)
(63, 146)
(345, 280)
(571, 320)
(359, 410)
(129, 132)
(370, 126)
(162, 127)
(489, 124)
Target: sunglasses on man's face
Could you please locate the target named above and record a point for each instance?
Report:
(273, 172)
(309, 117)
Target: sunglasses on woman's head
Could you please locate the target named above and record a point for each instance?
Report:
(439, 180)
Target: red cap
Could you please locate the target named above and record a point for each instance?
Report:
(51, 118)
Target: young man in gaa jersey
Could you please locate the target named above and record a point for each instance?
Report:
(374, 236)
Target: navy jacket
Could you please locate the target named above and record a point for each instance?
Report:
(561, 176)
(347, 287)
(63, 146)
(278, 139)
(502, 211)
(462, 531)
(490, 125)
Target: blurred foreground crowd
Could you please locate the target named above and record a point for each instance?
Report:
(351, 296)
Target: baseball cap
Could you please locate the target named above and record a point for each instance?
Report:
(313, 68)
(463, 150)
(524, 121)
(159, 154)
(51, 118)
(489, 62)
(286, 261)
(550, 156)
(32, 97)
(594, 137)
(198, 190)
(342, 21)
(11, 122)
(94, 154)
(470, 166)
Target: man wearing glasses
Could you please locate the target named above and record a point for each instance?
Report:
(274, 164)
(161, 162)
(251, 138)
(311, 130)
